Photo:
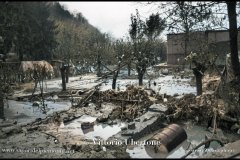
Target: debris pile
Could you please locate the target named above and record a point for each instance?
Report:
(132, 94)
(198, 108)
(210, 82)
(134, 102)
(201, 109)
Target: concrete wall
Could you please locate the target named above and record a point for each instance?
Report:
(175, 48)
(216, 42)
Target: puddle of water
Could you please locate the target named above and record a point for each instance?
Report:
(168, 85)
(103, 131)
(24, 112)
(121, 83)
(172, 86)
(81, 82)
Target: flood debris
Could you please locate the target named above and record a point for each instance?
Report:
(158, 108)
(197, 108)
(103, 118)
(87, 125)
(134, 102)
(131, 126)
(186, 108)
(210, 82)
(143, 111)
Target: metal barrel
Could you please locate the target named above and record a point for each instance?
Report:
(169, 138)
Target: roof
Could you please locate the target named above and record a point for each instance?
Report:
(201, 31)
(56, 60)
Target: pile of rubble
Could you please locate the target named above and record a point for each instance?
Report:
(132, 94)
(210, 82)
(134, 102)
(198, 108)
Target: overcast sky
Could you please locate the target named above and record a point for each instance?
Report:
(109, 17)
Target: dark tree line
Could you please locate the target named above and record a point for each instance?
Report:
(46, 31)
(27, 30)
(78, 40)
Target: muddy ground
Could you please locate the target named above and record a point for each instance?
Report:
(89, 122)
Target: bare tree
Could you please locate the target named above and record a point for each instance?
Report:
(120, 51)
(142, 35)
(39, 74)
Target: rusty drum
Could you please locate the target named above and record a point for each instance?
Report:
(169, 138)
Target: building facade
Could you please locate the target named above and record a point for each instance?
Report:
(214, 41)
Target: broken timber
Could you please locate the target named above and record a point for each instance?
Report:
(89, 95)
(125, 100)
(105, 75)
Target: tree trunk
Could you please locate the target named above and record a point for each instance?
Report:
(115, 75)
(63, 69)
(186, 40)
(129, 69)
(140, 79)
(1, 106)
(41, 90)
(98, 66)
(67, 74)
(233, 35)
(35, 86)
(114, 83)
(198, 76)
